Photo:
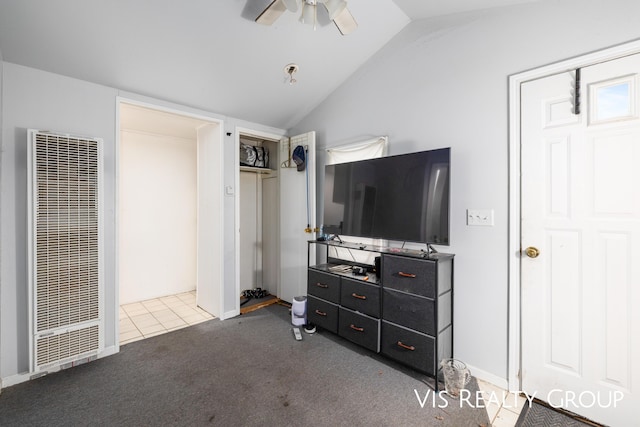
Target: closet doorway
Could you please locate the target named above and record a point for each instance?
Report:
(159, 235)
(259, 198)
(273, 252)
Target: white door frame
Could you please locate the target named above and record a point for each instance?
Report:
(162, 107)
(514, 336)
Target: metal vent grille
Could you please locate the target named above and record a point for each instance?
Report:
(66, 279)
(67, 346)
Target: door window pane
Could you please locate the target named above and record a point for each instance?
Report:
(613, 101)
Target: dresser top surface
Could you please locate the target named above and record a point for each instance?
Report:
(385, 250)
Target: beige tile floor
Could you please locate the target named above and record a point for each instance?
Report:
(502, 407)
(152, 317)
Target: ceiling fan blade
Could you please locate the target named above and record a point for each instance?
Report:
(271, 13)
(334, 7)
(345, 22)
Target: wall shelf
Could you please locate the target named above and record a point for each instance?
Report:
(264, 171)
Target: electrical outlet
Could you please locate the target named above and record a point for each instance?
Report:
(482, 217)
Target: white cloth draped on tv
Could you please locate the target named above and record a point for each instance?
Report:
(369, 149)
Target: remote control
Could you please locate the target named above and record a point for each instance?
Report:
(297, 334)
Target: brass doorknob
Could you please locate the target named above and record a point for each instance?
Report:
(532, 252)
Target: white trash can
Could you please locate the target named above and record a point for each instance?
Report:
(299, 311)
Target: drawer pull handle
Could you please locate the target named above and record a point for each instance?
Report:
(406, 347)
(358, 296)
(355, 328)
(322, 285)
(409, 275)
(320, 313)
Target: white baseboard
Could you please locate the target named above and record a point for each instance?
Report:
(26, 376)
(15, 379)
(108, 351)
(489, 377)
(230, 314)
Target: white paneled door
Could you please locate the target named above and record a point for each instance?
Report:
(580, 265)
(297, 215)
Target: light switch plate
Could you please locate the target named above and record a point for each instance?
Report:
(483, 217)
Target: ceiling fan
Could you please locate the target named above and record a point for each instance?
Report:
(337, 10)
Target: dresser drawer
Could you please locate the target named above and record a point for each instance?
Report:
(322, 313)
(408, 310)
(408, 347)
(359, 328)
(323, 285)
(415, 276)
(360, 296)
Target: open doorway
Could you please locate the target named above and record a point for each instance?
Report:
(158, 228)
(258, 200)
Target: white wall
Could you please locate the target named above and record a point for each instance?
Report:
(158, 201)
(35, 99)
(443, 83)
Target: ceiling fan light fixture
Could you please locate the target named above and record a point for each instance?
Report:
(336, 9)
(308, 15)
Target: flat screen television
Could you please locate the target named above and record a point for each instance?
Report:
(403, 198)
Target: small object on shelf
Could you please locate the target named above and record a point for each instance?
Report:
(340, 268)
(254, 156)
(358, 271)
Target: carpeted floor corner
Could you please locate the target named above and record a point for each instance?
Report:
(246, 371)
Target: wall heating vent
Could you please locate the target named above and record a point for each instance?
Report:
(65, 217)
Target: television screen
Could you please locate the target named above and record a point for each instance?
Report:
(404, 197)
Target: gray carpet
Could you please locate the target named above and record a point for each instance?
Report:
(246, 371)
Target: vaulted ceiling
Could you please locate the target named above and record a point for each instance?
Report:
(208, 54)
